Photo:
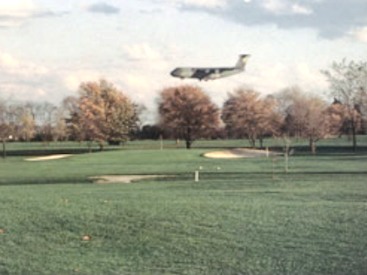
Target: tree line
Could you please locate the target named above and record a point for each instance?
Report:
(102, 113)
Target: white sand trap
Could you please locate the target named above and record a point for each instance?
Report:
(239, 153)
(52, 157)
(124, 178)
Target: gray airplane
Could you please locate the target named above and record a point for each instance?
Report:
(211, 73)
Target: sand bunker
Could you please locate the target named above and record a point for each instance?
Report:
(52, 157)
(123, 178)
(239, 153)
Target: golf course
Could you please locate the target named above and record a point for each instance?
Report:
(263, 214)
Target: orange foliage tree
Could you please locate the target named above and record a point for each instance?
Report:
(245, 114)
(102, 113)
(188, 113)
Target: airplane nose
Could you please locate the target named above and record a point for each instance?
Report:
(175, 72)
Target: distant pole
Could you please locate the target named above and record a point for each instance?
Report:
(196, 176)
(267, 151)
(286, 156)
(161, 139)
(4, 149)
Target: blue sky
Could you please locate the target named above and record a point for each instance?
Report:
(48, 47)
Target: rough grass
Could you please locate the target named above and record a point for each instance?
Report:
(248, 217)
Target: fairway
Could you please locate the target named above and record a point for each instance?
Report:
(244, 216)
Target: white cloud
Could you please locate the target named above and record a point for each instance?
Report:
(281, 7)
(299, 9)
(202, 3)
(17, 8)
(73, 79)
(274, 6)
(360, 34)
(310, 79)
(14, 13)
(8, 61)
(24, 80)
(9, 65)
(141, 52)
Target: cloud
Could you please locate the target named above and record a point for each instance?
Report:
(205, 3)
(8, 61)
(330, 18)
(299, 9)
(284, 7)
(141, 52)
(23, 80)
(360, 34)
(102, 7)
(15, 13)
(9, 65)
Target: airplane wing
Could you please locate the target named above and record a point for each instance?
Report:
(202, 73)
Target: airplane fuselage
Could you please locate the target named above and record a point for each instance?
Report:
(210, 73)
(204, 73)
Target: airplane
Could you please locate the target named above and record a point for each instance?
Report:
(211, 73)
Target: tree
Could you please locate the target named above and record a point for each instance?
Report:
(70, 112)
(340, 121)
(102, 113)
(348, 84)
(26, 127)
(150, 132)
(7, 124)
(59, 129)
(245, 114)
(307, 116)
(43, 116)
(188, 112)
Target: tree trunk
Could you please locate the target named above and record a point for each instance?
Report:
(188, 144)
(261, 140)
(252, 141)
(188, 138)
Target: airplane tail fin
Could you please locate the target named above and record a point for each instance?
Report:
(242, 61)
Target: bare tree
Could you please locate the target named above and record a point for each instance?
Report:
(245, 114)
(43, 115)
(188, 112)
(7, 125)
(25, 125)
(70, 112)
(348, 84)
(59, 129)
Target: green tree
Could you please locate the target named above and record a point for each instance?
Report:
(188, 113)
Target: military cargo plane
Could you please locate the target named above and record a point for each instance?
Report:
(211, 73)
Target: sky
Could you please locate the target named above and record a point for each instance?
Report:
(49, 47)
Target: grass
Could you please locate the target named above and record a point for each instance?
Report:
(249, 217)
